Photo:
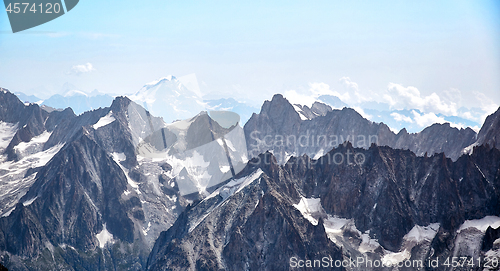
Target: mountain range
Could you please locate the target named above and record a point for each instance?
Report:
(152, 96)
(119, 188)
(293, 130)
(179, 98)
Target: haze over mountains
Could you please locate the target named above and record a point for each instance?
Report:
(119, 188)
(184, 99)
(181, 101)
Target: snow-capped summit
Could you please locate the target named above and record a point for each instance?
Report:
(167, 97)
(68, 88)
(166, 78)
(75, 92)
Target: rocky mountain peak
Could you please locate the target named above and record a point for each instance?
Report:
(280, 111)
(490, 131)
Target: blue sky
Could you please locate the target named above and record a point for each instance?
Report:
(253, 49)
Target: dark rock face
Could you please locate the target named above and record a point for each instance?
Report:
(405, 189)
(12, 108)
(255, 229)
(90, 205)
(490, 131)
(386, 196)
(280, 128)
(202, 131)
(84, 198)
(77, 195)
(436, 138)
(489, 238)
(31, 120)
(317, 109)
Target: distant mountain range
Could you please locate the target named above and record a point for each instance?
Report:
(120, 188)
(170, 99)
(78, 100)
(167, 98)
(293, 130)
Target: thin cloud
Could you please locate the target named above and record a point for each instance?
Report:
(353, 87)
(487, 105)
(318, 89)
(424, 120)
(298, 98)
(309, 96)
(400, 97)
(401, 117)
(347, 82)
(80, 69)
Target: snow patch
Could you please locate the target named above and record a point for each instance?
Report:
(319, 154)
(34, 145)
(335, 224)
(7, 132)
(104, 237)
(145, 230)
(481, 224)
(245, 181)
(6, 214)
(335, 228)
(235, 186)
(310, 208)
(288, 155)
(38, 159)
(118, 157)
(64, 246)
(393, 258)
(29, 202)
(300, 112)
(13, 188)
(420, 233)
(469, 149)
(225, 169)
(415, 236)
(368, 244)
(104, 121)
